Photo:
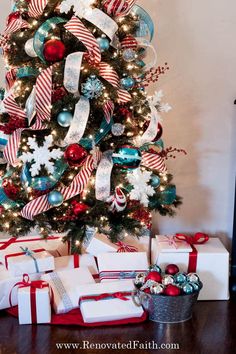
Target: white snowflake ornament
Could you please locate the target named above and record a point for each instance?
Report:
(141, 190)
(80, 7)
(156, 99)
(41, 156)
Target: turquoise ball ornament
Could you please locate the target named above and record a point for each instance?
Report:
(103, 43)
(187, 288)
(127, 83)
(127, 157)
(155, 181)
(155, 268)
(55, 198)
(64, 119)
(196, 286)
(180, 278)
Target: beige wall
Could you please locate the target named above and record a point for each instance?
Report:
(197, 38)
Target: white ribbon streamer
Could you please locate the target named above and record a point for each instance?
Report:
(151, 132)
(30, 106)
(72, 71)
(104, 22)
(79, 122)
(103, 176)
(145, 43)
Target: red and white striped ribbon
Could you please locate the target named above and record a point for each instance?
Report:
(123, 247)
(153, 161)
(10, 78)
(43, 110)
(36, 7)
(79, 183)
(108, 110)
(129, 42)
(118, 8)
(109, 74)
(14, 26)
(77, 28)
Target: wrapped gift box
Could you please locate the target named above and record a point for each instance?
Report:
(119, 266)
(212, 264)
(108, 302)
(65, 285)
(101, 244)
(34, 303)
(76, 261)
(55, 246)
(28, 260)
(7, 287)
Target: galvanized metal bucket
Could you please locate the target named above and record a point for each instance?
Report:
(166, 309)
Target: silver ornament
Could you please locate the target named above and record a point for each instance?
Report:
(157, 288)
(193, 278)
(167, 279)
(117, 129)
(29, 48)
(140, 279)
(148, 284)
(129, 55)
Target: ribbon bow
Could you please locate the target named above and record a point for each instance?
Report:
(118, 295)
(30, 253)
(123, 247)
(198, 239)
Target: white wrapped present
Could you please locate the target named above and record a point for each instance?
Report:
(8, 287)
(55, 246)
(34, 304)
(119, 266)
(65, 285)
(20, 260)
(209, 260)
(108, 302)
(76, 261)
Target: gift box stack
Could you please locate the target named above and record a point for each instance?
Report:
(39, 275)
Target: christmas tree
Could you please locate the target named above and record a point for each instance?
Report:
(80, 138)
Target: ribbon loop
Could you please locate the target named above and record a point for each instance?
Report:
(123, 247)
(198, 239)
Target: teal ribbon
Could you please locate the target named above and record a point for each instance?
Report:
(30, 253)
(146, 25)
(26, 71)
(42, 33)
(104, 129)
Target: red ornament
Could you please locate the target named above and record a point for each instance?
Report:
(58, 94)
(172, 269)
(155, 276)
(124, 113)
(54, 50)
(10, 189)
(80, 208)
(147, 291)
(129, 42)
(75, 155)
(159, 130)
(172, 290)
(13, 16)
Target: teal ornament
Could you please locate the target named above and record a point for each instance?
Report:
(103, 43)
(187, 288)
(55, 198)
(193, 278)
(180, 278)
(2, 93)
(196, 286)
(42, 34)
(168, 195)
(45, 182)
(155, 268)
(92, 88)
(104, 129)
(127, 157)
(64, 119)
(155, 181)
(129, 55)
(26, 71)
(127, 83)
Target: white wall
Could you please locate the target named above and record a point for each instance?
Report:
(197, 38)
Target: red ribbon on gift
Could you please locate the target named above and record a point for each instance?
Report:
(20, 254)
(123, 247)
(76, 260)
(12, 240)
(34, 285)
(198, 239)
(117, 295)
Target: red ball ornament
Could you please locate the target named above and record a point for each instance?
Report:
(124, 113)
(155, 276)
(172, 290)
(172, 269)
(159, 130)
(80, 208)
(75, 155)
(54, 50)
(13, 16)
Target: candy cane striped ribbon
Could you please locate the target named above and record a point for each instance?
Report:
(14, 26)
(10, 78)
(43, 109)
(153, 161)
(118, 7)
(79, 183)
(36, 7)
(108, 110)
(77, 28)
(109, 74)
